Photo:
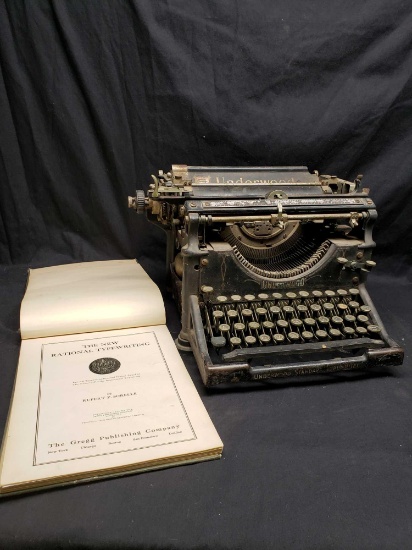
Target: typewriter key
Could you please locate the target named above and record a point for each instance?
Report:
(321, 334)
(275, 310)
(235, 341)
(264, 339)
(277, 295)
(348, 332)
(354, 292)
(302, 310)
(218, 341)
(342, 292)
(328, 308)
(374, 330)
(317, 294)
(282, 324)
(268, 325)
(354, 305)
(303, 294)
(291, 296)
(349, 319)
(296, 323)
(309, 322)
(261, 312)
(293, 337)
(239, 327)
(221, 299)
(232, 314)
(217, 315)
(254, 326)
(363, 319)
(365, 309)
(335, 333)
(224, 328)
(307, 335)
(323, 321)
(249, 297)
(361, 331)
(250, 340)
(337, 321)
(288, 311)
(278, 338)
(330, 294)
(247, 314)
(263, 296)
(236, 298)
(342, 308)
(315, 309)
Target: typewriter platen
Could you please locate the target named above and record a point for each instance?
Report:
(268, 267)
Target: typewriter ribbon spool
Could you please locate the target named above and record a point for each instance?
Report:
(268, 267)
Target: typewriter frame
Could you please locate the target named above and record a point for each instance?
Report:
(196, 266)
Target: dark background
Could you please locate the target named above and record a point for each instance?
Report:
(97, 95)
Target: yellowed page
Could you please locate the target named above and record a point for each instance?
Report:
(89, 296)
(94, 404)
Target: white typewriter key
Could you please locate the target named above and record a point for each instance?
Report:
(235, 341)
(342, 292)
(277, 295)
(323, 321)
(261, 311)
(321, 334)
(303, 294)
(374, 329)
(218, 315)
(296, 323)
(328, 307)
(354, 305)
(354, 291)
(221, 299)
(335, 334)
(232, 314)
(268, 325)
(224, 328)
(365, 309)
(250, 340)
(302, 310)
(236, 298)
(254, 326)
(348, 332)
(316, 309)
(309, 322)
(239, 327)
(342, 308)
(317, 294)
(350, 319)
(278, 338)
(249, 297)
(263, 296)
(282, 324)
(330, 293)
(288, 311)
(206, 289)
(291, 296)
(293, 337)
(307, 335)
(361, 331)
(264, 339)
(337, 321)
(363, 319)
(247, 313)
(275, 310)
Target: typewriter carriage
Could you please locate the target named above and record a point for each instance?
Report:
(235, 232)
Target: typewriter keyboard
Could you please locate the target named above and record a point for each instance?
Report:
(276, 318)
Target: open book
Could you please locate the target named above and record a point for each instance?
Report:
(100, 388)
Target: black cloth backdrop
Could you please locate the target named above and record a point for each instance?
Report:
(97, 95)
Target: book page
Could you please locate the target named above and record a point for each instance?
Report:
(102, 401)
(90, 296)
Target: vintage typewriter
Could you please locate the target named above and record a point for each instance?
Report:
(268, 267)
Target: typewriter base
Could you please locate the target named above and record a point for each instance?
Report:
(283, 361)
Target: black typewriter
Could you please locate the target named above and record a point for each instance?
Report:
(268, 267)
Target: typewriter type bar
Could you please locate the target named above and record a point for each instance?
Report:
(268, 267)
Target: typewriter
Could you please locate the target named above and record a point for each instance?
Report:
(268, 267)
